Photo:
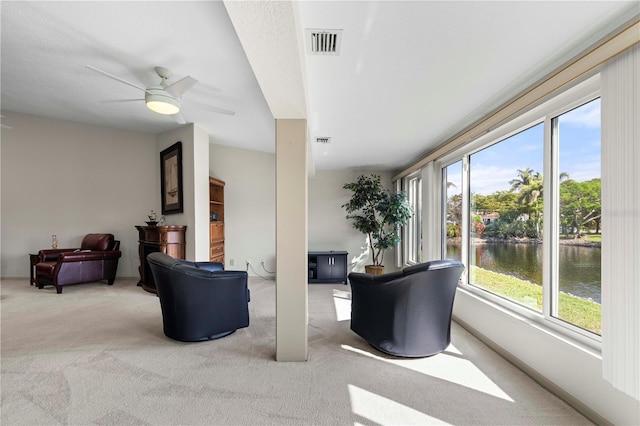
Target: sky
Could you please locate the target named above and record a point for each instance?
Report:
(579, 135)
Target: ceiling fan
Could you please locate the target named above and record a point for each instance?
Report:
(164, 98)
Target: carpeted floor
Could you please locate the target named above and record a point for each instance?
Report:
(96, 354)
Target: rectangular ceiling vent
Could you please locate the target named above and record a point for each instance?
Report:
(324, 42)
(323, 140)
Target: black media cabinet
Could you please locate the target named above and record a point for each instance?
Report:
(327, 267)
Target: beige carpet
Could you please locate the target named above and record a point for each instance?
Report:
(96, 354)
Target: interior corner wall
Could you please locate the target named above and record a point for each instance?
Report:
(69, 179)
(328, 227)
(249, 203)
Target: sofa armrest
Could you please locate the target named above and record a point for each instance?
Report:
(52, 254)
(81, 256)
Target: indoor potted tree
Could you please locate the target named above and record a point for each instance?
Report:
(378, 214)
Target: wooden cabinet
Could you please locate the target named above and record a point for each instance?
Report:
(216, 233)
(327, 267)
(216, 215)
(166, 239)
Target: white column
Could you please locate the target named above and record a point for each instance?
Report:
(201, 194)
(291, 240)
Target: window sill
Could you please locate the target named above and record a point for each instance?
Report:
(536, 321)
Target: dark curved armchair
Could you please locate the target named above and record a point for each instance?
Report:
(96, 259)
(406, 313)
(199, 300)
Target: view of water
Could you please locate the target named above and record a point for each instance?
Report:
(579, 267)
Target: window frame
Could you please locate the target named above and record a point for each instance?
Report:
(551, 186)
(412, 245)
(442, 183)
(554, 105)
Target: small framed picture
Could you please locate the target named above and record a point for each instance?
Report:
(171, 179)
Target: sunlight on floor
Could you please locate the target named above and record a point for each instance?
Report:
(449, 366)
(342, 302)
(383, 411)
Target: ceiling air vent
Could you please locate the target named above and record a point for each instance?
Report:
(323, 140)
(324, 42)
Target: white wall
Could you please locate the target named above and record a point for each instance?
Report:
(328, 227)
(71, 179)
(250, 210)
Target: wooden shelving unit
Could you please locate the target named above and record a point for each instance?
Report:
(216, 215)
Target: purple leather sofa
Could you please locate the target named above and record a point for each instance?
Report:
(96, 259)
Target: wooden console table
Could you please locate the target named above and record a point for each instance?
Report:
(166, 239)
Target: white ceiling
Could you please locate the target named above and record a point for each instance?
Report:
(409, 75)
(47, 45)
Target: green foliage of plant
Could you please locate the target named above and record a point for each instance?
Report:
(575, 310)
(580, 205)
(503, 202)
(501, 228)
(377, 213)
(593, 238)
(453, 230)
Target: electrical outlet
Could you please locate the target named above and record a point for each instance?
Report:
(232, 262)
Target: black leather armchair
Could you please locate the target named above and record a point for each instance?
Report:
(406, 313)
(199, 300)
(96, 259)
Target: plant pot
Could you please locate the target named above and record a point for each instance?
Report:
(374, 269)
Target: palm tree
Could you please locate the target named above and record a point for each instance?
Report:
(529, 187)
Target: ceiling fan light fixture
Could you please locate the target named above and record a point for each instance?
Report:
(162, 103)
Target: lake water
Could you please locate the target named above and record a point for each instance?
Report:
(579, 267)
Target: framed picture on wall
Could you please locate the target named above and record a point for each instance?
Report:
(171, 179)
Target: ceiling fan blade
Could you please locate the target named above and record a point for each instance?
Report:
(179, 118)
(207, 107)
(219, 110)
(116, 78)
(114, 101)
(179, 87)
(4, 126)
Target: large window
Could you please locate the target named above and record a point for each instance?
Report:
(521, 208)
